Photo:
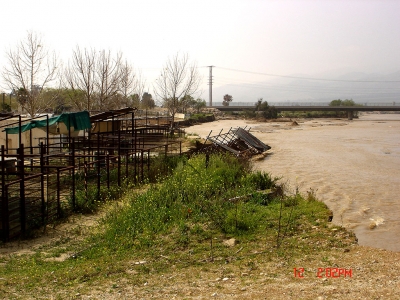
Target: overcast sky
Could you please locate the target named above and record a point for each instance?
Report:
(304, 37)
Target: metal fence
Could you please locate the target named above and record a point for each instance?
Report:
(40, 181)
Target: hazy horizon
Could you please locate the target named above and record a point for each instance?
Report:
(359, 87)
(244, 40)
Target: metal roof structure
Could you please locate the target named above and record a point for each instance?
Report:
(238, 141)
(111, 114)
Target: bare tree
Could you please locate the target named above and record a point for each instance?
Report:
(131, 84)
(127, 83)
(108, 77)
(140, 85)
(80, 76)
(179, 78)
(30, 69)
(107, 81)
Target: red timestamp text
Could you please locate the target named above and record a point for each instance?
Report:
(326, 272)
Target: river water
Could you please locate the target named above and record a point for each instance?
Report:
(352, 166)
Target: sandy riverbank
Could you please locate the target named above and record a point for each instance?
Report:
(353, 166)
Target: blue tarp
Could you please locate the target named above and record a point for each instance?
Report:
(79, 120)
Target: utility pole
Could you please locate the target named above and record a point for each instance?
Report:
(210, 86)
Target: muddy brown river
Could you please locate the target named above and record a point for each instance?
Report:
(352, 166)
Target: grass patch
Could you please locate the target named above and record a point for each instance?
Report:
(181, 222)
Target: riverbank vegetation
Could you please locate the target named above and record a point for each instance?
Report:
(211, 211)
(324, 114)
(262, 110)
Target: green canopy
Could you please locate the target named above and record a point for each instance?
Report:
(79, 120)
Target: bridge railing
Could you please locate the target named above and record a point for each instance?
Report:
(305, 103)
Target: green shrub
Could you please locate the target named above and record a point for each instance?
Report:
(262, 181)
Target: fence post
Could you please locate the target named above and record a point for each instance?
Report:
(85, 177)
(3, 163)
(21, 174)
(58, 193)
(4, 199)
(119, 157)
(135, 165)
(148, 162)
(108, 170)
(127, 166)
(43, 208)
(141, 163)
(73, 172)
(5, 218)
(98, 173)
(135, 157)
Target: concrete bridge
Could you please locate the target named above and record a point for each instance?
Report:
(349, 109)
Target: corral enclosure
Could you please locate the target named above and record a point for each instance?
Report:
(44, 159)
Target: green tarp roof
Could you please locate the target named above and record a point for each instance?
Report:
(79, 120)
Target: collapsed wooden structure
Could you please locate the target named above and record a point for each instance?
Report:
(238, 141)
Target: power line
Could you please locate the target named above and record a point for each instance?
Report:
(293, 87)
(307, 78)
(327, 92)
